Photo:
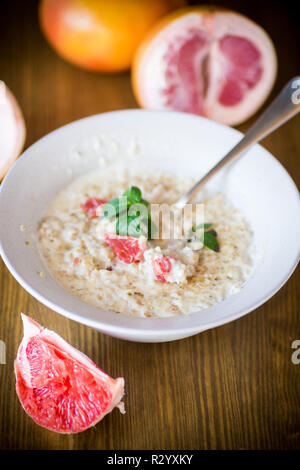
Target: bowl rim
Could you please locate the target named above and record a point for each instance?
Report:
(157, 330)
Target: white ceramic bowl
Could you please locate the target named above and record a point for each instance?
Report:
(257, 184)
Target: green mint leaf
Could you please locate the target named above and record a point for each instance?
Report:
(133, 194)
(210, 241)
(134, 227)
(207, 237)
(138, 210)
(111, 208)
(131, 213)
(114, 207)
(193, 230)
(145, 203)
(201, 226)
(122, 225)
(212, 232)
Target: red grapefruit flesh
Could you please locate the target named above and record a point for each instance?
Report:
(12, 129)
(206, 61)
(59, 387)
(127, 249)
(161, 268)
(90, 207)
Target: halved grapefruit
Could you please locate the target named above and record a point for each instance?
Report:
(12, 129)
(207, 61)
(59, 387)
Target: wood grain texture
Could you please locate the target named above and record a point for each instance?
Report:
(233, 387)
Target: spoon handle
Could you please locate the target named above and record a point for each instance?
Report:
(282, 108)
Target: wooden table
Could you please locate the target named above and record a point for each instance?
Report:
(233, 387)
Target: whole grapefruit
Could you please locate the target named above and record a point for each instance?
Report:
(100, 35)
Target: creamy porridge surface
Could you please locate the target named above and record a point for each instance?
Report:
(74, 248)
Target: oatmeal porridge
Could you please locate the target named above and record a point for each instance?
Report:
(127, 271)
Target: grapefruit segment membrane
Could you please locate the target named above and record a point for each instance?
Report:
(59, 387)
(206, 61)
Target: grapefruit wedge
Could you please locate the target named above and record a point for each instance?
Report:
(207, 61)
(12, 129)
(59, 387)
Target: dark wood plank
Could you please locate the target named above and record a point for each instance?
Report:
(234, 387)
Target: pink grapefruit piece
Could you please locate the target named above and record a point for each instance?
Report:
(207, 61)
(91, 205)
(161, 268)
(59, 387)
(127, 249)
(12, 129)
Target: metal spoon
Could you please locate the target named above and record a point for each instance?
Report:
(283, 108)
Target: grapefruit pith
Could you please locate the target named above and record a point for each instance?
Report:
(206, 61)
(59, 387)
